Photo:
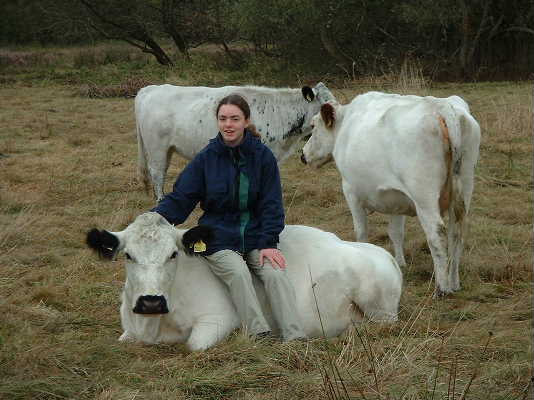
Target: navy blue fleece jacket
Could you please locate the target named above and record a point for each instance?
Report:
(239, 191)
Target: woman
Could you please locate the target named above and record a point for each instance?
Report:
(236, 180)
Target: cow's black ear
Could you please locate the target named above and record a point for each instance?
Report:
(197, 240)
(308, 94)
(103, 242)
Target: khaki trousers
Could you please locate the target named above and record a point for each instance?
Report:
(234, 270)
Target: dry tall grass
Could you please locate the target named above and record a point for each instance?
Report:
(68, 164)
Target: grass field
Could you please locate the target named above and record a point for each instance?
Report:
(68, 163)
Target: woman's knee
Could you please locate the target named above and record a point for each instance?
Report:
(269, 273)
(229, 263)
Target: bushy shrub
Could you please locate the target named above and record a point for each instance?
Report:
(128, 88)
(86, 58)
(114, 55)
(25, 59)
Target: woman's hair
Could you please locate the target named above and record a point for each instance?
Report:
(241, 103)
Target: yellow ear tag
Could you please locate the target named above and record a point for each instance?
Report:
(199, 247)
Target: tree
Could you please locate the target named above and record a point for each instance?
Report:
(142, 23)
(480, 35)
(170, 23)
(129, 20)
(464, 38)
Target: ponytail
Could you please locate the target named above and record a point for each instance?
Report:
(252, 129)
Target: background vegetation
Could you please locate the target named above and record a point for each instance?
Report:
(67, 163)
(449, 39)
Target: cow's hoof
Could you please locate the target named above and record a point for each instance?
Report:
(440, 293)
(197, 346)
(266, 337)
(126, 337)
(401, 261)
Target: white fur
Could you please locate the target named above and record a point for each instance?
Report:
(326, 272)
(391, 153)
(183, 119)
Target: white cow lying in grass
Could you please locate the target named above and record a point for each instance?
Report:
(404, 155)
(170, 296)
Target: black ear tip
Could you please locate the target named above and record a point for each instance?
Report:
(307, 93)
(93, 239)
(103, 242)
(206, 232)
(194, 235)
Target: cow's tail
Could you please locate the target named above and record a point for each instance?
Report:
(452, 121)
(451, 197)
(142, 167)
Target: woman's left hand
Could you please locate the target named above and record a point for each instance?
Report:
(275, 256)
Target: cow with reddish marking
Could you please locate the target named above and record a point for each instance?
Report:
(404, 155)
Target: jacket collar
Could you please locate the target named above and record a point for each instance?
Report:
(246, 146)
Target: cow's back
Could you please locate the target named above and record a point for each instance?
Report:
(178, 117)
(330, 275)
(389, 145)
(391, 132)
(183, 117)
(312, 254)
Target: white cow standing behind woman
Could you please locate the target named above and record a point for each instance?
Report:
(180, 119)
(170, 296)
(404, 155)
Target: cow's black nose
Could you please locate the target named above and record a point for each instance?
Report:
(303, 159)
(151, 305)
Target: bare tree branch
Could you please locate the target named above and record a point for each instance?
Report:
(519, 29)
(128, 33)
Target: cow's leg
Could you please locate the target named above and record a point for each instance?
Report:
(463, 182)
(436, 236)
(456, 244)
(208, 331)
(396, 234)
(157, 183)
(157, 168)
(359, 215)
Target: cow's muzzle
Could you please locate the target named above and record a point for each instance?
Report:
(151, 305)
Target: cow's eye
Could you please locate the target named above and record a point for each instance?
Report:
(173, 255)
(128, 256)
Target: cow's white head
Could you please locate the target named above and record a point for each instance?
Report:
(153, 248)
(316, 96)
(319, 147)
(320, 93)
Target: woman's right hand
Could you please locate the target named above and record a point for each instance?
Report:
(275, 257)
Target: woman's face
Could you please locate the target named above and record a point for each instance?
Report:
(232, 123)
